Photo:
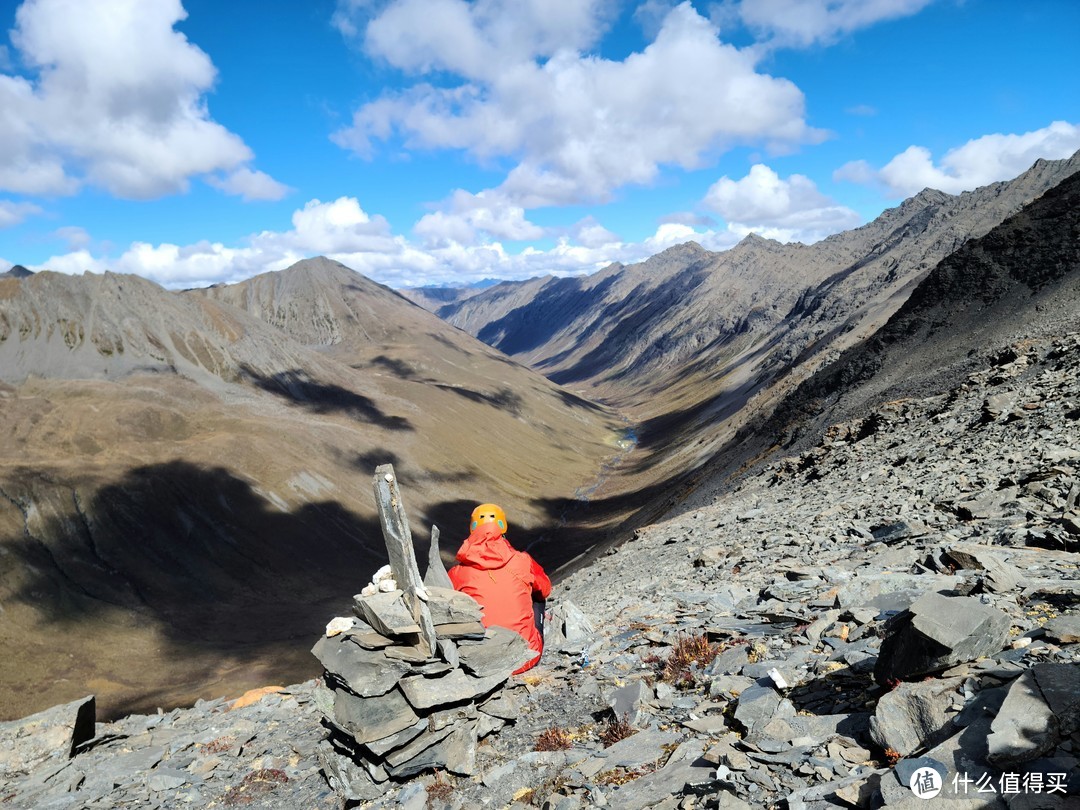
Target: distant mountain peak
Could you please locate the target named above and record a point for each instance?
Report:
(17, 271)
(754, 238)
(683, 249)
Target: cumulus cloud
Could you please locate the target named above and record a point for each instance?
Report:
(801, 23)
(343, 230)
(473, 39)
(978, 162)
(115, 100)
(250, 185)
(591, 234)
(12, 213)
(470, 218)
(341, 226)
(786, 210)
(575, 126)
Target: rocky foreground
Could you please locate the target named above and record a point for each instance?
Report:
(897, 606)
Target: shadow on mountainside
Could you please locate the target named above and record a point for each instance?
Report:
(299, 388)
(198, 554)
(633, 317)
(555, 307)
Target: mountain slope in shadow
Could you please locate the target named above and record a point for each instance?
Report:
(1017, 283)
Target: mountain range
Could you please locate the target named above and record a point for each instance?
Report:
(184, 475)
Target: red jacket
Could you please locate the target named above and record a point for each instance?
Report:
(504, 581)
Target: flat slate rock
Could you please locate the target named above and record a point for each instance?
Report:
(454, 687)
(368, 673)
(386, 612)
(373, 718)
(1063, 629)
(501, 651)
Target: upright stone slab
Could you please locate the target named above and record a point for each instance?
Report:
(399, 547)
(436, 576)
(27, 743)
(914, 715)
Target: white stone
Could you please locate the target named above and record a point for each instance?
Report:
(339, 624)
(778, 679)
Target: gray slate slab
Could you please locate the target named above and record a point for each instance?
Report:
(914, 715)
(367, 672)
(937, 632)
(373, 718)
(501, 651)
(1041, 708)
(454, 687)
(685, 767)
(387, 613)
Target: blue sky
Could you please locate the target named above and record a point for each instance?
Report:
(447, 141)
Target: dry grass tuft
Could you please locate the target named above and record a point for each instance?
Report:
(688, 655)
(440, 790)
(554, 739)
(616, 730)
(254, 786)
(218, 745)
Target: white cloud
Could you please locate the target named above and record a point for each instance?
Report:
(250, 185)
(801, 23)
(856, 171)
(978, 162)
(12, 213)
(468, 218)
(75, 237)
(580, 126)
(591, 234)
(472, 39)
(75, 263)
(342, 230)
(786, 210)
(117, 102)
(341, 226)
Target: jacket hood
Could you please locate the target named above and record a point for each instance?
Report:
(486, 548)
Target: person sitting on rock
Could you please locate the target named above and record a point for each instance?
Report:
(509, 584)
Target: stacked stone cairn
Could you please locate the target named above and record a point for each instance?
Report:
(413, 680)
